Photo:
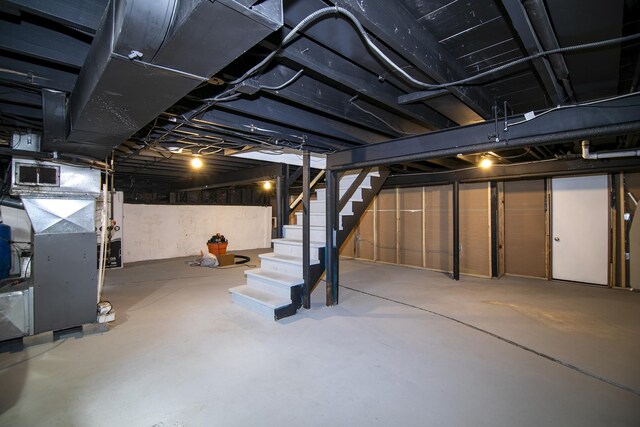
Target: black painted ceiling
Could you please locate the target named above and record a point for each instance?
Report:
(344, 96)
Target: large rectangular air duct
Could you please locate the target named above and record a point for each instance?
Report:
(148, 54)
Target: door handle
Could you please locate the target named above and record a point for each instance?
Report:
(557, 239)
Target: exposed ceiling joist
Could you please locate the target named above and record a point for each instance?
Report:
(324, 98)
(81, 14)
(17, 96)
(527, 34)
(21, 72)
(336, 70)
(41, 43)
(245, 176)
(401, 31)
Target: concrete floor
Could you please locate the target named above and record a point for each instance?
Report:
(180, 354)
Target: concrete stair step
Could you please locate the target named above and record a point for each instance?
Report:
(317, 218)
(294, 232)
(294, 247)
(272, 282)
(297, 242)
(257, 300)
(284, 259)
(284, 264)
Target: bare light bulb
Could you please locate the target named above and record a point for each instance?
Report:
(267, 185)
(196, 163)
(486, 163)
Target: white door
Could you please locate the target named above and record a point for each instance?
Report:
(580, 229)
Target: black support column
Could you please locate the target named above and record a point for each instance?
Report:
(306, 229)
(456, 230)
(286, 212)
(332, 256)
(281, 204)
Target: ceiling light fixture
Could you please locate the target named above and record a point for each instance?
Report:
(486, 163)
(196, 162)
(267, 185)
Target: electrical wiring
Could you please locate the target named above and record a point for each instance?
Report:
(582, 104)
(285, 84)
(384, 58)
(372, 114)
(517, 156)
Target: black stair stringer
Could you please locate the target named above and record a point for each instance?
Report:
(348, 222)
(317, 271)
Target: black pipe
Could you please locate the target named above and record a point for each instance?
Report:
(456, 231)
(306, 229)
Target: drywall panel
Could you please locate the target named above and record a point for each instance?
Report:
(580, 224)
(438, 227)
(168, 231)
(365, 246)
(386, 227)
(525, 228)
(475, 252)
(410, 226)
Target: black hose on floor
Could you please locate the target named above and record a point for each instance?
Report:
(243, 259)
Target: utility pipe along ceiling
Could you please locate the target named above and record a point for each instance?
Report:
(150, 83)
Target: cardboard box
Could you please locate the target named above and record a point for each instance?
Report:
(225, 259)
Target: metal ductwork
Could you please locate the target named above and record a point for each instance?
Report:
(60, 200)
(148, 54)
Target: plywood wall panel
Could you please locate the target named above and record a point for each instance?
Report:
(475, 254)
(365, 244)
(349, 246)
(525, 228)
(410, 226)
(386, 227)
(438, 228)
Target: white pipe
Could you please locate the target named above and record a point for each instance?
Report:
(608, 154)
(635, 202)
(102, 241)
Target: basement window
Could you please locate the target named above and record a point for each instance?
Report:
(38, 175)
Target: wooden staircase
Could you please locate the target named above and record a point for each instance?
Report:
(275, 289)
